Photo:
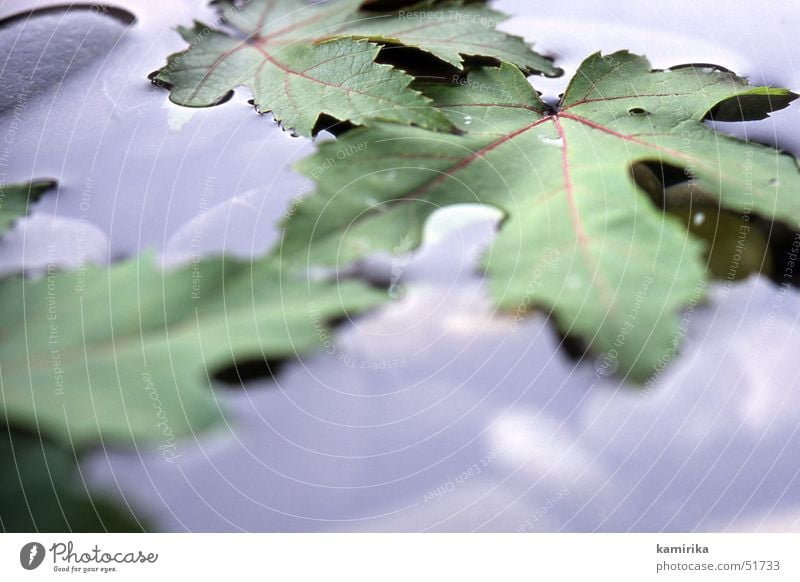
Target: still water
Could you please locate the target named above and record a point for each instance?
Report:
(434, 413)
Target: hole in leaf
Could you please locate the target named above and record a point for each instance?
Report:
(736, 247)
(575, 347)
(666, 184)
(240, 372)
(784, 245)
(637, 111)
(709, 66)
(420, 65)
(750, 106)
(332, 125)
(375, 278)
(387, 5)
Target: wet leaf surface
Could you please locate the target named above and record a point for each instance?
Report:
(375, 435)
(580, 238)
(124, 355)
(304, 61)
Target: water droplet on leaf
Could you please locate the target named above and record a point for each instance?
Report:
(574, 282)
(553, 141)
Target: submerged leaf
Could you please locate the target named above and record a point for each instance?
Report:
(41, 491)
(124, 355)
(15, 200)
(580, 238)
(302, 61)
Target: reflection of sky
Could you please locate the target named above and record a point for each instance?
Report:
(469, 422)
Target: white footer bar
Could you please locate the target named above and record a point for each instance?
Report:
(400, 557)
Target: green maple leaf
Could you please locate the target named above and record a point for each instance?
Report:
(124, 355)
(302, 61)
(15, 200)
(579, 238)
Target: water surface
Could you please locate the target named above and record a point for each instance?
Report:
(434, 413)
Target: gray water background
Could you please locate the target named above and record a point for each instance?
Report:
(481, 426)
